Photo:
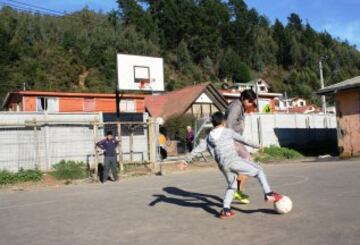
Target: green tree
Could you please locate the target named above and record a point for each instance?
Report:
(233, 68)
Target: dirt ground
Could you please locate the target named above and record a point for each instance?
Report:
(49, 181)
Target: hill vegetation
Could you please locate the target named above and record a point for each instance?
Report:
(200, 40)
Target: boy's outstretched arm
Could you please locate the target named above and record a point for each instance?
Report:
(242, 139)
(200, 148)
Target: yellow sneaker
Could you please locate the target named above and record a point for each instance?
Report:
(241, 197)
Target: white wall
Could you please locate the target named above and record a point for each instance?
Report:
(68, 136)
(270, 129)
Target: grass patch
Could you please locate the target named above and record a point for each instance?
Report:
(275, 153)
(69, 170)
(32, 175)
(128, 167)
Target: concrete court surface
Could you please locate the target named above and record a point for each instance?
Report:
(181, 208)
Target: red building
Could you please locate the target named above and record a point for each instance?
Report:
(37, 101)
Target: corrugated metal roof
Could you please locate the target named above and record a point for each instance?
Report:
(347, 84)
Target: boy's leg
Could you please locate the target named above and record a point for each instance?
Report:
(114, 168)
(231, 188)
(241, 180)
(244, 154)
(249, 168)
(106, 169)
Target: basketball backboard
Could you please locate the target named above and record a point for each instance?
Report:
(140, 73)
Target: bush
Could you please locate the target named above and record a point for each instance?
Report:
(274, 153)
(69, 170)
(176, 126)
(7, 177)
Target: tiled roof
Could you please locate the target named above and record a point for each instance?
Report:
(304, 109)
(177, 102)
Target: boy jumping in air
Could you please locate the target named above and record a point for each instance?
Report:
(221, 143)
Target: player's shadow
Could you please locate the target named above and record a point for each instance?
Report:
(209, 203)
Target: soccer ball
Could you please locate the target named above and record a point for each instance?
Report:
(284, 205)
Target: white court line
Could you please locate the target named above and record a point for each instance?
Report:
(303, 179)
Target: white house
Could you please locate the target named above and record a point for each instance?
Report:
(298, 102)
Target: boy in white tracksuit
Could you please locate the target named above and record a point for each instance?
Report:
(221, 144)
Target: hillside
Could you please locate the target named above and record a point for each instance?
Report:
(206, 40)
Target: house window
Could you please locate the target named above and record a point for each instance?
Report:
(127, 106)
(48, 104)
(41, 104)
(89, 104)
(302, 103)
(277, 103)
(206, 109)
(262, 88)
(196, 110)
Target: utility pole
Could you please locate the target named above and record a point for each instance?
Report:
(257, 97)
(323, 99)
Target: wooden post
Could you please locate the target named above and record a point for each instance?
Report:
(37, 146)
(259, 124)
(120, 158)
(131, 144)
(96, 154)
(152, 146)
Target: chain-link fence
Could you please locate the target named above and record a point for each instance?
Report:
(41, 144)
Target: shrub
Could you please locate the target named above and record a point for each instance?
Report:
(176, 126)
(28, 175)
(69, 170)
(7, 177)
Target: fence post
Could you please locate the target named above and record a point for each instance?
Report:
(96, 154)
(37, 146)
(120, 159)
(131, 144)
(152, 146)
(260, 133)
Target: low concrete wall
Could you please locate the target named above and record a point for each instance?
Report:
(310, 133)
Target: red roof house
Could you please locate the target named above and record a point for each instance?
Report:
(199, 100)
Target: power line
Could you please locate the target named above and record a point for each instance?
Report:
(46, 12)
(26, 10)
(38, 7)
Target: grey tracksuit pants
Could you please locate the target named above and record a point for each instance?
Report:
(245, 167)
(110, 162)
(221, 144)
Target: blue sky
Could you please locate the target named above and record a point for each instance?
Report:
(339, 18)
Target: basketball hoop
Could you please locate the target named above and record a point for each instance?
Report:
(144, 84)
